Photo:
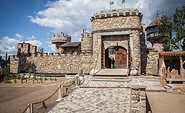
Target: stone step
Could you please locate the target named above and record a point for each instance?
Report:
(112, 80)
(112, 72)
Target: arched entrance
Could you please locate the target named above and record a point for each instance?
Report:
(116, 57)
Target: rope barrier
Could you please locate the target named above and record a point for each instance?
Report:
(41, 105)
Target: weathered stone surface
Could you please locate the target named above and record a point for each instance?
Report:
(94, 100)
(52, 63)
(120, 27)
(152, 63)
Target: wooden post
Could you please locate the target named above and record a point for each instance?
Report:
(60, 93)
(30, 108)
(161, 65)
(181, 67)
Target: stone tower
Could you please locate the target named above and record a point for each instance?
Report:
(26, 49)
(153, 36)
(118, 28)
(58, 40)
(86, 42)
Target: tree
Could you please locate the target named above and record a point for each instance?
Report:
(165, 28)
(179, 26)
(173, 24)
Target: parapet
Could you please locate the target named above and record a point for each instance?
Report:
(62, 38)
(86, 42)
(116, 13)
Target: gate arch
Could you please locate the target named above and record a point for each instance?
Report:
(116, 57)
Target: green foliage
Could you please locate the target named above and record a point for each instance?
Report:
(34, 76)
(165, 28)
(6, 71)
(169, 25)
(179, 24)
(2, 60)
(7, 79)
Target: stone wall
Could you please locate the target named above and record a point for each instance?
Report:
(116, 23)
(14, 64)
(138, 101)
(116, 19)
(119, 23)
(158, 47)
(26, 48)
(48, 63)
(152, 63)
(86, 42)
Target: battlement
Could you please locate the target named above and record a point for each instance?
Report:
(116, 13)
(62, 38)
(85, 34)
(86, 42)
(26, 48)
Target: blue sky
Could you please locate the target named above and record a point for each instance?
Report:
(14, 17)
(34, 21)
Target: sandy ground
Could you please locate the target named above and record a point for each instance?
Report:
(14, 98)
(162, 102)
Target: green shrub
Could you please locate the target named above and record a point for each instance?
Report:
(6, 71)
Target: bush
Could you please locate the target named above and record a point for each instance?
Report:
(6, 71)
(7, 80)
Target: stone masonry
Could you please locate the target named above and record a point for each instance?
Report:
(117, 27)
(122, 23)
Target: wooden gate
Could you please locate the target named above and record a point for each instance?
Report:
(121, 58)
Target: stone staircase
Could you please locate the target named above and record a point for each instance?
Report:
(113, 72)
(98, 95)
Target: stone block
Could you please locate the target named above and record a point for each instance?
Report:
(135, 87)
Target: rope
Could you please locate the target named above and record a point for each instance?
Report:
(43, 101)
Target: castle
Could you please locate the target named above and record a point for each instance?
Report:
(116, 34)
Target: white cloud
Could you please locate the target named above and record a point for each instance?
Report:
(31, 38)
(35, 42)
(71, 16)
(18, 36)
(50, 47)
(9, 44)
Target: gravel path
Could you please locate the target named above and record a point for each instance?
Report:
(162, 102)
(16, 99)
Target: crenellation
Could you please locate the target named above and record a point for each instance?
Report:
(116, 13)
(119, 29)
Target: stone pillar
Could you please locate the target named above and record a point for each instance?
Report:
(135, 51)
(96, 52)
(131, 48)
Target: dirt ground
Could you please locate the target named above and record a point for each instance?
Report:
(14, 98)
(162, 102)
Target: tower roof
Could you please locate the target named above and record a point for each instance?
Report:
(70, 44)
(154, 22)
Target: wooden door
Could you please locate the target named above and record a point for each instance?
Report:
(121, 58)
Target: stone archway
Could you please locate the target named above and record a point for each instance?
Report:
(115, 57)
